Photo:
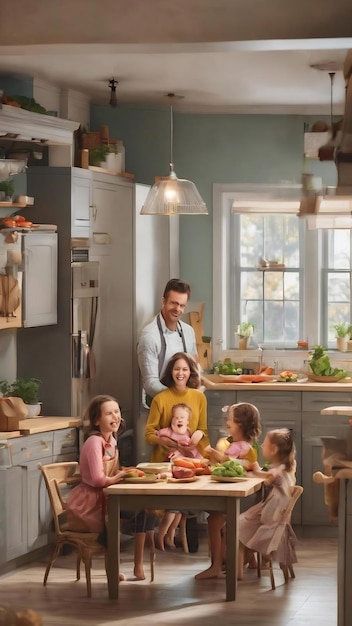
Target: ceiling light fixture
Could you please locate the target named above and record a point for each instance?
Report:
(172, 195)
(113, 99)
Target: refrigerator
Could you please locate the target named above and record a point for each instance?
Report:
(85, 299)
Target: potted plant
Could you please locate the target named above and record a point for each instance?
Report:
(105, 156)
(244, 331)
(343, 333)
(7, 189)
(25, 388)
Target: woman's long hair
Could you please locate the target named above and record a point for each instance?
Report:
(93, 413)
(194, 379)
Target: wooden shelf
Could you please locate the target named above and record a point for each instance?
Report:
(272, 267)
(15, 205)
(102, 170)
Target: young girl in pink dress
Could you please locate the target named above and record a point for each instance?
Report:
(258, 525)
(243, 427)
(99, 468)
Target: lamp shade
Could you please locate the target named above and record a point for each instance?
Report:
(174, 196)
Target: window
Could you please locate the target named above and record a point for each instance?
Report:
(269, 297)
(337, 280)
(285, 304)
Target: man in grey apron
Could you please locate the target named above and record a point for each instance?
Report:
(165, 336)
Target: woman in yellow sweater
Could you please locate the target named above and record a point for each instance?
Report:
(181, 378)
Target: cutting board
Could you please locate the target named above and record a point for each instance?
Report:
(203, 349)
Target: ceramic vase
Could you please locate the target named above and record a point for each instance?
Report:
(341, 343)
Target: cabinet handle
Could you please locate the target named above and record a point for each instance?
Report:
(44, 445)
(94, 211)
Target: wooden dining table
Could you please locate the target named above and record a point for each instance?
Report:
(202, 494)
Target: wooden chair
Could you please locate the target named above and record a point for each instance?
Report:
(287, 570)
(59, 478)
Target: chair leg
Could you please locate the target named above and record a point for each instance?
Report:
(150, 540)
(259, 564)
(292, 572)
(53, 557)
(78, 567)
(272, 579)
(88, 565)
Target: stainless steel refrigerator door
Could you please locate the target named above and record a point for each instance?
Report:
(85, 292)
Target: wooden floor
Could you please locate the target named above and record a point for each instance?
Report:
(176, 598)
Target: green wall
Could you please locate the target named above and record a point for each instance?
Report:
(209, 149)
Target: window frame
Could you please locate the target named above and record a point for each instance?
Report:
(311, 288)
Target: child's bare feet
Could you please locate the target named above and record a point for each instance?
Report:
(169, 543)
(212, 572)
(139, 572)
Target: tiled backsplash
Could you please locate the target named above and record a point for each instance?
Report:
(295, 360)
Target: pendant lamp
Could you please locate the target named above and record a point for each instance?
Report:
(172, 195)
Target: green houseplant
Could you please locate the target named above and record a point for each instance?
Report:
(25, 388)
(244, 331)
(7, 188)
(98, 155)
(343, 333)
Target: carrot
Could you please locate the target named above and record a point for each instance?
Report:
(181, 462)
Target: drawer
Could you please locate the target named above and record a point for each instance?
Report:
(65, 440)
(316, 401)
(272, 400)
(32, 448)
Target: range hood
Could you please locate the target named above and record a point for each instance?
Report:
(332, 207)
(20, 125)
(321, 208)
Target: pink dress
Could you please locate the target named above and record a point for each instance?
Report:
(86, 503)
(261, 528)
(184, 439)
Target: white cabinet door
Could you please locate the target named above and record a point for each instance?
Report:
(13, 513)
(40, 279)
(80, 205)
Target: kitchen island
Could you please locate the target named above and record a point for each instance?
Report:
(296, 406)
(25, 510)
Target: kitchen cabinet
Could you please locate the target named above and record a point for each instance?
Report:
(315, 426)
(25, 508)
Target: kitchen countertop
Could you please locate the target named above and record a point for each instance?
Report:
(43, 424)
(216, 383)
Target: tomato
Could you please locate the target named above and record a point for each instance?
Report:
(19, 218)
(9, 223)
(183, 463)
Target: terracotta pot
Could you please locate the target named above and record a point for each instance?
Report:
(243, 342)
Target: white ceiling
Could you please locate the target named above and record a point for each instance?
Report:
(229, 56)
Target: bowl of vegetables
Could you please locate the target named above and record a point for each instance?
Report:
(320, 367)
(228, 472)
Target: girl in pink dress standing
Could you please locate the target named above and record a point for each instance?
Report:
(260, 528)
(99, 468)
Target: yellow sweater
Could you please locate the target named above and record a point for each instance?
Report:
(160, 417)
